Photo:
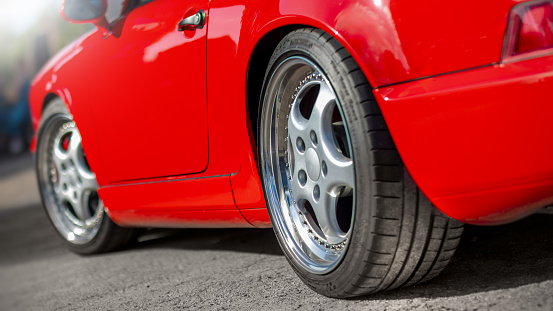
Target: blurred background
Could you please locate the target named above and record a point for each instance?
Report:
(31, 32)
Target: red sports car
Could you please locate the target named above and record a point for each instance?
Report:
(355, 128)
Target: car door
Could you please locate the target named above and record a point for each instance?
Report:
(148, 94)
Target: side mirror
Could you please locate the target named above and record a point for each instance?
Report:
(85, 11)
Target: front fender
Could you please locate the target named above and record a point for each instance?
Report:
(64, 76)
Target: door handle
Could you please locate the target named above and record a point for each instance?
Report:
(197, 20)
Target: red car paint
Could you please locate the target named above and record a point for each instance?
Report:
(165, 115)
(476, 141)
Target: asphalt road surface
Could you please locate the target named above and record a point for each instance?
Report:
(495, 268)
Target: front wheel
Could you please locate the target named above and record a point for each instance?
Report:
(69, 189)
(345, 211)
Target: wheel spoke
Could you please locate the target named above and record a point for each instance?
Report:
(325, 211)
(300, 192)
(59, 155)
(339, 177)
(80, 206)
(84, 179)
(64, 186)
(59, 158)
(337, 169)
(86, 182)
(321, 117)
(74, 144)
(297, 126)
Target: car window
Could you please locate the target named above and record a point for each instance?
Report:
(115, 9)
(134, 4)
(141, 2)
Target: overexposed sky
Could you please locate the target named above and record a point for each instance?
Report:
(17, 16)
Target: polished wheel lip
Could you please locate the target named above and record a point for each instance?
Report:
(68, 187)
(301, 233)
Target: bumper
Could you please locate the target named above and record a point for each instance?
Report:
(478, 143)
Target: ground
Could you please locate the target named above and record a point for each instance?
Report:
(507, 267)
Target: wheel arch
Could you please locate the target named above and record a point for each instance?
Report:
(44, 102)
(259, 61)
(48, 99)
(257, 67)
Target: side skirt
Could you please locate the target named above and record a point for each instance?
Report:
(174, 203)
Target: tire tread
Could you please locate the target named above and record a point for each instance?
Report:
(389, 176)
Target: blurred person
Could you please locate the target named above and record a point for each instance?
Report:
(14, 115)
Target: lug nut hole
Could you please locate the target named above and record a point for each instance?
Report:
(302, 178)
(313, 137)
(324, 169)
(300, 144)
(316, 193)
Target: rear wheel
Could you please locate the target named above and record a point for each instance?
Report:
(69, 189)
(345, 211)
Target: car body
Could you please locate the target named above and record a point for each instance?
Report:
(169, 118)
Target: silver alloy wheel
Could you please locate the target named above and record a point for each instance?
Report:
(68, 186)
(307, 164)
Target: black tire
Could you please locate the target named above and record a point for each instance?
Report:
(93, 235)
(396, 237)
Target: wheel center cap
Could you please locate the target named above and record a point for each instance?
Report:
(313, 165)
